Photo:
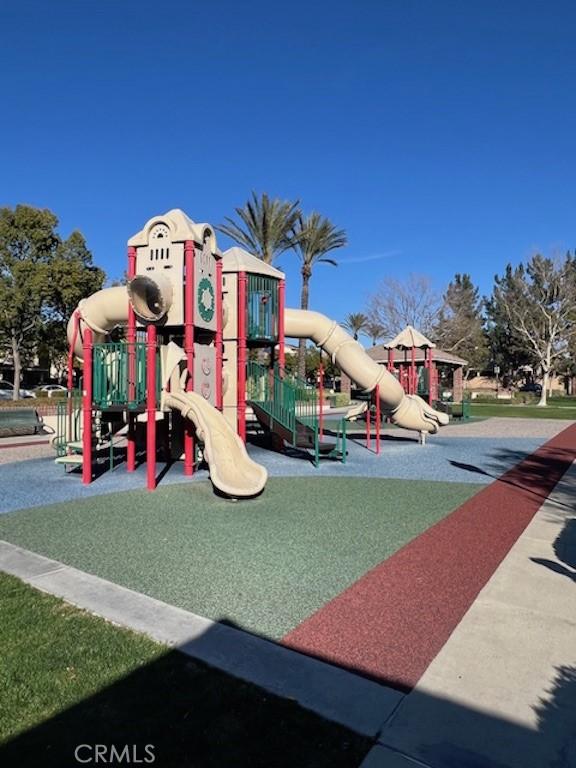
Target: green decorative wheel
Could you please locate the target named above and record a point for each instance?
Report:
(206, 300)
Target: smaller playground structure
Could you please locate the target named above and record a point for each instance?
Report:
(188, 370)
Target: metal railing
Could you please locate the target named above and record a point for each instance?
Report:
(262, 308)
(68, 421)
(287, 401)
(119, 374)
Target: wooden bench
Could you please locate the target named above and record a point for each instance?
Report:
(19, 421)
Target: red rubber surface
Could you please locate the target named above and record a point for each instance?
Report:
(392, 622)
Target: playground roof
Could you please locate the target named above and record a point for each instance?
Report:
(409, 338)
(380, 352)
(238, 260)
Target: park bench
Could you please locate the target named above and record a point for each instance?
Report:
(19, 421)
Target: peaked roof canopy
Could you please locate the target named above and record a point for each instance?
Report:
(409, 338)
(238, 260)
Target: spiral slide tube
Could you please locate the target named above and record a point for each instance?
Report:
(408, 411)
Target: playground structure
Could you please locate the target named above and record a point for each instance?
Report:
(194, 318)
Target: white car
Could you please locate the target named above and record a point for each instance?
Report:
(7, 391)
(50, 389)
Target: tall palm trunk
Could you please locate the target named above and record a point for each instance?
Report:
(304, 297)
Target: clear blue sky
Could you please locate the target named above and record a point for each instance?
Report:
(441, 135)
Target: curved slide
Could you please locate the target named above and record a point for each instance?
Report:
(408, 411)
(232, 471)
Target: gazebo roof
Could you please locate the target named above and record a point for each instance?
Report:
(379, 354)
(409, 338)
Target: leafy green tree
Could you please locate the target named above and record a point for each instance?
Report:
(508, 349)
(73, 277)
(539, 302)
(314, 236)
(460, 325)
(355, 322)
(28, 244)
(41, 280)
(265, 226)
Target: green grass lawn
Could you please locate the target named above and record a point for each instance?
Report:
(265, 564)
(69, 678)
(553, 411)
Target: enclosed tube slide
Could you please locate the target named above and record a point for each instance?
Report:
(408, 411)
(105, 309)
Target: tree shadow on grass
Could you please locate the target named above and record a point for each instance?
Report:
(186, 714)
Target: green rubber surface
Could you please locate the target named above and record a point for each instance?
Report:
(264, 564)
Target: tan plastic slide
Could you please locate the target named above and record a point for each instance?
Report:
(408, 411)
(232, 471)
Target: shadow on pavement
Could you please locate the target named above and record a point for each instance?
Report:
(184, 713)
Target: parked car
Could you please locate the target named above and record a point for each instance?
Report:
(532, 386)
(49, 390)
(7, 391)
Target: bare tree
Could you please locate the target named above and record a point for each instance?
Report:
(539, 301)
(396, 304)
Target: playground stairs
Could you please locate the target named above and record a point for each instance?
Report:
(288, 408)
(69, 443)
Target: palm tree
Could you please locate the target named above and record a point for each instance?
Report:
(314, 237)
(375, 331)
(355, 322)
(266, 227)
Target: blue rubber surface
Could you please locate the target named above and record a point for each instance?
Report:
(38, 482)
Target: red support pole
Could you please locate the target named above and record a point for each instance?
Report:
(321, 398)
(131, 339)
(151, 407)
(242, 355)
(219, 322)
(413, 386)
(368, 427)
(87, 410)
(189, 349)
(433, 379)
(378, 417)
(281, 332)
(70, 381)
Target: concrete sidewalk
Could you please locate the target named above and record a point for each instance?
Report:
(502, 691)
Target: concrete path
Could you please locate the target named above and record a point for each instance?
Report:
(502, 691)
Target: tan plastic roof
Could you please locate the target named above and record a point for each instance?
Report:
(181, 228)
(238, 260)
(409, 338)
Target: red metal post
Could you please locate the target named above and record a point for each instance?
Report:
(378, 417)
(281, 339)
(151, 407)
(219, 323)
(321, 398)
(368, 427)
(413, 376)
(87, 410)
(70, 381)
(131, 339)
(433, 378)
(189, 349)
(242, 355)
